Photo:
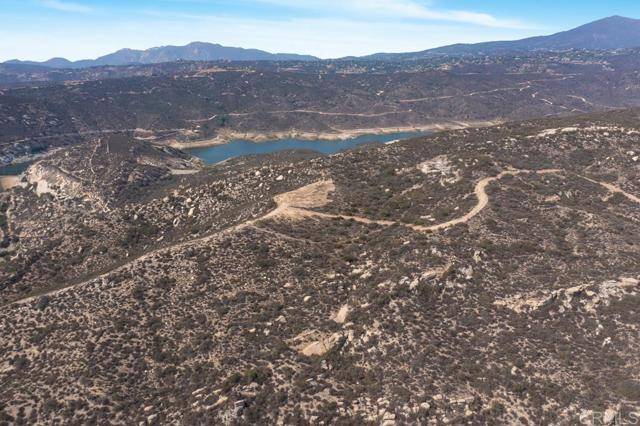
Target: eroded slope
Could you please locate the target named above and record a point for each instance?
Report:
(332, 295)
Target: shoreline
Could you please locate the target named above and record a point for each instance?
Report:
(28, 158)
(228, 136)
(310, 136)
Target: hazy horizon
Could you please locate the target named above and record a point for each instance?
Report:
(86, 29)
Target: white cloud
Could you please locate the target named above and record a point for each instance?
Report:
(404, 9)
(65, 6)
(323, 37)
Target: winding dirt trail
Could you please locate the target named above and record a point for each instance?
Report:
(521, 86)
(87, 133)
(137, 259)
(328, 113)
(296, 204)
(614, 189)
(483, 198)
(303, 111)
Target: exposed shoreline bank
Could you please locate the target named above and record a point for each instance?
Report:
(9, 181)
(258, 137)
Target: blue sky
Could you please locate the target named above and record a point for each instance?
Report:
(78, 29)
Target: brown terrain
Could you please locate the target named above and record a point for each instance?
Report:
(184, 104)
(483, 275)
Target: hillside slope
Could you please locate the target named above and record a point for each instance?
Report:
(615, 32)
(214, 102)
(476, 276)
(196, 51)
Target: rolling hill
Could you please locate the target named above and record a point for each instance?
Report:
(615, 32)
(196, 51)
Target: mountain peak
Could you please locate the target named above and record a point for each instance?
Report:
(195, 51)
(610, 33)
(614, 20)
(203, 43)
(617, 18)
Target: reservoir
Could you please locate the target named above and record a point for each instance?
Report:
(14, 169)
(238, 147)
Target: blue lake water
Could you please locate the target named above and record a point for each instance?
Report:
(235, 148)
(14, 169)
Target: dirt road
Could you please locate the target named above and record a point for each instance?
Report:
(296, 204)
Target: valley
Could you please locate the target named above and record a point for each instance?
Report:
(239, 147)
(435, 221)
(329, 100)
(203, 235)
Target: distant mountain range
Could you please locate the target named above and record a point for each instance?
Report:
(196, 51)
(615, 32)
